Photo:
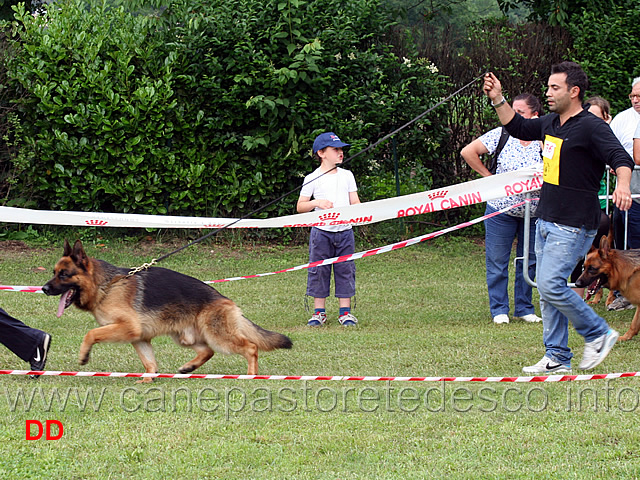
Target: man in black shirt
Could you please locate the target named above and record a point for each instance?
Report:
(577, 147)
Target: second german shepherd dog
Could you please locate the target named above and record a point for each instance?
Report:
(157, 301)
(616, 270)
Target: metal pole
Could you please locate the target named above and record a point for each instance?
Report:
(525, 243)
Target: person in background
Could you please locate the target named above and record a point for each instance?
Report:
(623, 126)
(501, 230)
(636, 145)
(577, 148)
(30, 344)
(327, 187)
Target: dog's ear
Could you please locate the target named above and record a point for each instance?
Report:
(78, 255)
(604, 247)
(67, 249)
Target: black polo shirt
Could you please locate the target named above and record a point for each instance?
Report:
(575, 156)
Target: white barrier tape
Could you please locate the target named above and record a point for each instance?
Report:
(462, 194)
(328, 261)
(542, 378)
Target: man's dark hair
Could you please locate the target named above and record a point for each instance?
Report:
(575, 76)
(532, 102)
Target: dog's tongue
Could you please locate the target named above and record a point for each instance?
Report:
(63, 303)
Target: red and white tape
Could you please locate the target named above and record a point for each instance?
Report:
(340, 378)
(329, 261)
(18, 288)
(374, 251)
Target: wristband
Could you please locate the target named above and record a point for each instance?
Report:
(500, 103)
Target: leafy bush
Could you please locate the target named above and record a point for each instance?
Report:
(99, 112)
(267, 77)
(211, 107)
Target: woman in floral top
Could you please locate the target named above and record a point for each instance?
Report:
(501, 230)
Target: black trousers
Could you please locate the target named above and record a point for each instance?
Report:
(18, 337)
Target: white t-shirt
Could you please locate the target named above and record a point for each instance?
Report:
(624, 126)
(514, 156)
(334, 186)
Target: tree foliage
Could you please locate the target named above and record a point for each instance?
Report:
(557, 12)
(519, 54)
(607, 45)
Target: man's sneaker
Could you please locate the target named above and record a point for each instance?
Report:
(502, 318)
(596, 351)
(546, 366)
(317, 319)
(531, 318)
(40, 357)
(347, 320)
(620, 303)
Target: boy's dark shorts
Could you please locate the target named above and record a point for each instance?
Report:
(324, 245)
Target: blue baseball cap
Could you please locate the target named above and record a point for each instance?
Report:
(328, 139)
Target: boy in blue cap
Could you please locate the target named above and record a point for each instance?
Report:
(330, 186)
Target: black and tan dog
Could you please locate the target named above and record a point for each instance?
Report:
(616, 270)
(157, 301)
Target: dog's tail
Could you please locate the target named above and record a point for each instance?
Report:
(265, 340)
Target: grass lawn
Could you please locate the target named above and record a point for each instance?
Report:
(422, 310)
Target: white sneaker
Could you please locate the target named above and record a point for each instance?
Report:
(347, 320)
(317, 319)
(546, 366)
(596, 351)
(531, 318)
(620, 303)
(502, 318)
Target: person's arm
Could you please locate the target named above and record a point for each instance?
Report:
(305, 204)
(622, 194)
(471, 154)
(353, 198)
(607, 147)
(493, 89)
(636, 145)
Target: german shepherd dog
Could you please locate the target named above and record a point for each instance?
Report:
(156, 301)
(616, 270)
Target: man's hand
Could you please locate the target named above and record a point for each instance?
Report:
(622, 194)
(492, 88)
(622, 198)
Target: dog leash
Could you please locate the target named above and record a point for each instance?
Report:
(154, 261)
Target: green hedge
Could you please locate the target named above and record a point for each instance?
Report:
(209, 107)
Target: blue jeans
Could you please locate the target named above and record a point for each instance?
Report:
(558, 249)
(500, 231)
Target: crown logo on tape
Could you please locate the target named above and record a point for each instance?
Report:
(329, 216)
(440, 194)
